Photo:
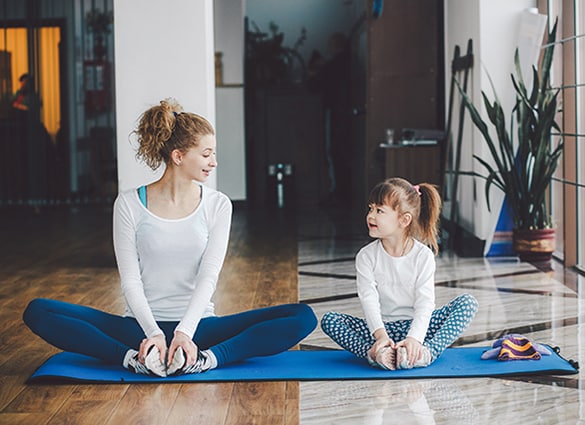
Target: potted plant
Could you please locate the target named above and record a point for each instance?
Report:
(523, 168)
(99, 23)
(268, 61)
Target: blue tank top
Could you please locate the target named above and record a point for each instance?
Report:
(142, 195)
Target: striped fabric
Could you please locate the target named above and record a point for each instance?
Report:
(518, 348)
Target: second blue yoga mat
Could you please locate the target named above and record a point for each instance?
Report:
(461, 362)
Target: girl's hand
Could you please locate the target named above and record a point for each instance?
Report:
(189, 348)
(158, 341)
(413, 349)
(382, 340)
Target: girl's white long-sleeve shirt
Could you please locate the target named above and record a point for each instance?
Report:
(397, 288)
(169, 267)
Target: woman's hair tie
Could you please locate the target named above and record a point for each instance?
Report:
(417, 188)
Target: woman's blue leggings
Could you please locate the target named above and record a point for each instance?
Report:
(106, 336)
(446, 325)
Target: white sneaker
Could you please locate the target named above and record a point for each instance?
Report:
(386, 358)
(177, 363)
(135, 366)
(371, 361)
(153, 363)
(201, 364)
(402, 360)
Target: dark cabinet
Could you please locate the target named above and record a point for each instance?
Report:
(417, 164)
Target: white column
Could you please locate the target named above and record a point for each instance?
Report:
(162, 49)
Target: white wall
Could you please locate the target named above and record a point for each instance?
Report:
(231, 155)
(231, 146)
(229, 38)
(162, 49)
(493, 25)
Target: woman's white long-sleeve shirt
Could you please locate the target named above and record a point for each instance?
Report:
(396, 288)
(169, 267)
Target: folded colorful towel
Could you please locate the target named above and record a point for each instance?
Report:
(518, 349)
(515, 347)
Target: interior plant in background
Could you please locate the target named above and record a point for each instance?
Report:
(269, 62)
(523, 169)
(99, 25)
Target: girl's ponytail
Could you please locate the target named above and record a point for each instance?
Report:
(430, 210)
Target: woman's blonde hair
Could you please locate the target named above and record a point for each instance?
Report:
(422, 201)
(164, 128)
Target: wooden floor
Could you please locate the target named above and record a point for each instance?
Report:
(67, 254)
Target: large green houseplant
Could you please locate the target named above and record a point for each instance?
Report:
(523, 168)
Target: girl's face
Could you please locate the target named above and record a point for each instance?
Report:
(384, 222)
(199, 161)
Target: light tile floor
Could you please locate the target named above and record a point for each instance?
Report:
(513, 297)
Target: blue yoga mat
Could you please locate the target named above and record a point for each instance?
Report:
(460, 362)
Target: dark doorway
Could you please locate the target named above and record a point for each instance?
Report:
(303, 92)
(57, 116)
(328, 118)
(34, 158)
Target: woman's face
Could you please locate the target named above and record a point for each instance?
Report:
(199, 161)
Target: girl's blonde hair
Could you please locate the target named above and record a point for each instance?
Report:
(422, 201)
(164, 128)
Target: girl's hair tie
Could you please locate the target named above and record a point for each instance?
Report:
(417, 188)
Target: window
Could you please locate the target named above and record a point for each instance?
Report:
(568, 186)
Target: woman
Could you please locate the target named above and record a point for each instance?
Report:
(170, 240)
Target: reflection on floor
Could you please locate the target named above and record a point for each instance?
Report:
(513, 297)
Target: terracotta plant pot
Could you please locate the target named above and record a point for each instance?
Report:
(534, 246)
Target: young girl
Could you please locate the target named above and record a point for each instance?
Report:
(170, 239)
(395, 282)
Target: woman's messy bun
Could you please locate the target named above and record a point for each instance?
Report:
(164, 128)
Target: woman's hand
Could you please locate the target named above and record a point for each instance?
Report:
(413, 349)
(189, 348)
(382, 340)
(158, 341)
